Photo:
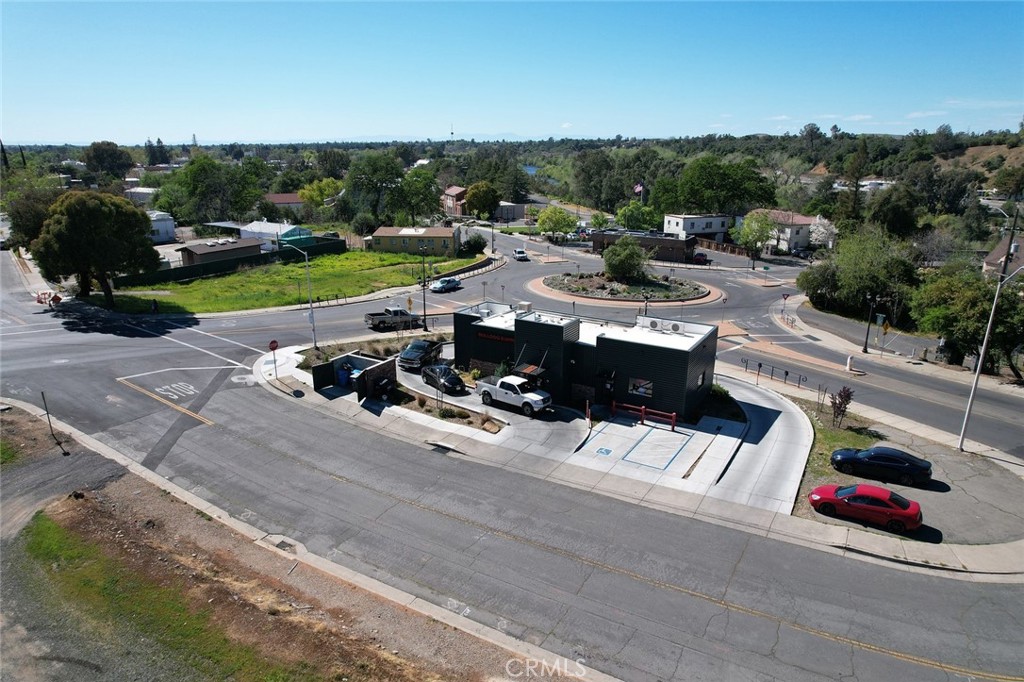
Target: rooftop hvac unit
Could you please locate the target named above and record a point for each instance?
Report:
(524, 307)
(654, 324)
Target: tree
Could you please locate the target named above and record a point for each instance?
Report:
(840, 402)
(854, 169)
(635, 216)
(894, 209)
(319, 191)
(1010, 181)
(26, 200)
(708, 185)
(91, 235)
(371, 177)
(956, 301)
(556, 219)
(598, 221)
(107, 157)
(333, 163)
(420, 193)
(756, 230)
(811, 134)
(482, 199)
(626, 260)
(156, 153)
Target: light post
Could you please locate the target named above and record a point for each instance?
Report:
(502, 293)
(309, 285)
(647, 297)
(485, 290)
(725, 299)
(423, 283)
(872, 301)
(577, 271)
(1003, 279)
(492, 238)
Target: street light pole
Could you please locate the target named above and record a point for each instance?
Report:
(872, 300)
(1003, 279)
(309, 285)
(423, 283)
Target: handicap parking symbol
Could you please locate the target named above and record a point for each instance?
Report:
(604, 451)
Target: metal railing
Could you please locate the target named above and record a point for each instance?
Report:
(774, 373)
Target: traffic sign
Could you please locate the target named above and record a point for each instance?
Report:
(785, 296)
(273, 345)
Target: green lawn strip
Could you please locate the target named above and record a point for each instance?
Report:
(108, 592)
(854, 433)
(8, 453)
(341, 275)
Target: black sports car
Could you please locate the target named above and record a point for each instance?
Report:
(883, 463)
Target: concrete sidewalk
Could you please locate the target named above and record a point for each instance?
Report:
(747, 481)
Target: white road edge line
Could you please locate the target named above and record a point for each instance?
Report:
(214, 336)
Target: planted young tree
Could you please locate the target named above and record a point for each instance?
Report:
(840, 401)
(92, 236)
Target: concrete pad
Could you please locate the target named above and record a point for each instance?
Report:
(877, 545)
(738, 514)
(807, 532)
(623, 487)
(676, 501)
(928, 553)
(1004, 558)
(531, 464)
(576, 475)
(768, 503)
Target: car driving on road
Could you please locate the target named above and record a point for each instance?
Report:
(868, 503)
(883, 463)
(445, 284)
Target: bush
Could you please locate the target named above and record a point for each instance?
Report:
(421, 401)
(475, 244)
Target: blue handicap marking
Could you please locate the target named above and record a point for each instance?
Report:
(604, 451)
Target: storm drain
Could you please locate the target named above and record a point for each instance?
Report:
(285, 546)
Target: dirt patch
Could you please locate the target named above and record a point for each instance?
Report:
(25, 437)
(290, 612)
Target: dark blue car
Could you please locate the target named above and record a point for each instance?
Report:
(883, 463)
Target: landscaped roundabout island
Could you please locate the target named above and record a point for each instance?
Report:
(598, 285)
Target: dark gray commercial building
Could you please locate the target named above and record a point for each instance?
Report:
(661, 364)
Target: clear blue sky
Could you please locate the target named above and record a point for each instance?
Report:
(324, 71)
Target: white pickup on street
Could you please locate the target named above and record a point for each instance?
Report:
(513, 390)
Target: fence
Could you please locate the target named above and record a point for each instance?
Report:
(774, 373)
(645, 412)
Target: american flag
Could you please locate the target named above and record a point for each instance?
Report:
(638, 188)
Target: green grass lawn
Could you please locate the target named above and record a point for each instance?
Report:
(8, 453)
(341, 275)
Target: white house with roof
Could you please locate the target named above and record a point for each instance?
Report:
(792, 230)
(706, 226)
(162, 230)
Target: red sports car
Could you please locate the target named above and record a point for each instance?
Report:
(867, 503)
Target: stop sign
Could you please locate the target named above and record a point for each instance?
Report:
(273, 345)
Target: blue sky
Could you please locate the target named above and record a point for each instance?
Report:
(325, 71)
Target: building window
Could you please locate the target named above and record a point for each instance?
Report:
(700, 379)
(405, 243)
(642, 387)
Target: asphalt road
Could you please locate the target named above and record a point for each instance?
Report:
(638, 593)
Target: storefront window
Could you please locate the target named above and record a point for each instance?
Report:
(641, 387)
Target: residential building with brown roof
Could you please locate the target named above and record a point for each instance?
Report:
(436, 241)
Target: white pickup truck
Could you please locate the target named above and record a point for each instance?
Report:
(513, 390)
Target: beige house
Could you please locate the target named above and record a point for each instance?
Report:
(792, 230)
(435, 241)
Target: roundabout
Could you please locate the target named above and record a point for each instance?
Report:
(542, 287)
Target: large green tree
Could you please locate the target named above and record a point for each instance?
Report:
(636, 216)
(107, 157)
(482, 199)
(371, 178)
(319, 191)
(332, 163)
(708, 185)
(26, 200)
(626, 260)
(955, 303)
(756, 230)
(419, 193)
(93, 236)
(556, 219)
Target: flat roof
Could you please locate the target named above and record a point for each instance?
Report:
(649, 331)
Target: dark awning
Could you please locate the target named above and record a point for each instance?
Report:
(529, 370)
